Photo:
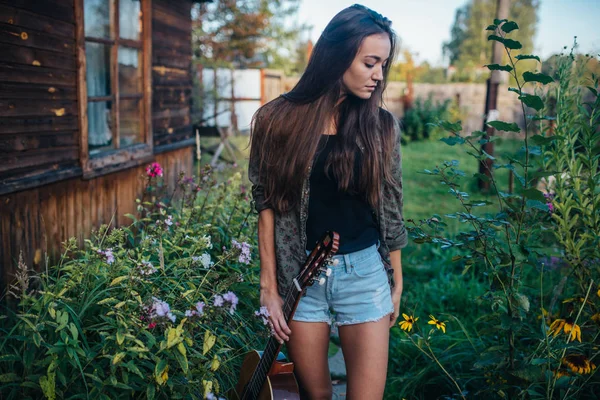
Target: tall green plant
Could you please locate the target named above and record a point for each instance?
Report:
(536, 249)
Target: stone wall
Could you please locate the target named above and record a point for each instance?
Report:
(471, 97)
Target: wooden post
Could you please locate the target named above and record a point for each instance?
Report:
(485, 166)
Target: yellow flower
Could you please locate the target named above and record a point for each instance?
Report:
(579, 363)
(596, 318)
(578, 299)
(561, 372)
(408, 322)
(565, 325)
(438, 324)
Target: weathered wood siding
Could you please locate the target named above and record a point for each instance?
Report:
(171, 72)
(43, 199)
(37, 221)
(38, 96)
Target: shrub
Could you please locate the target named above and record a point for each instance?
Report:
(418, 121)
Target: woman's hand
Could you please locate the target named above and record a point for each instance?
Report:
(396, 296)
(270, 298)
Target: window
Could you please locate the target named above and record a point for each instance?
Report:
(114, 84)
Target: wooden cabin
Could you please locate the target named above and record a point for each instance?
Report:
(91, 91)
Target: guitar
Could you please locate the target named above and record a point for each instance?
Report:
(267, 375)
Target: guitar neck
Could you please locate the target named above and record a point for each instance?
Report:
(272, 349)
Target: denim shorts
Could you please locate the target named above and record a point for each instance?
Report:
(356, 291)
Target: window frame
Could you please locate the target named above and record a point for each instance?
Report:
(119, 158)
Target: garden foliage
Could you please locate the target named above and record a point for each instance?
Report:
(534, 327)
(163, 308)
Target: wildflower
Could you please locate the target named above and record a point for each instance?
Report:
(152, 325)
(438, 324)
(204, 259)
(108, 255)
(232, 299)
(263, 313)
(146, 268)
(169, 220)
(566, 325)
(153, 170)
(161, 309)
(561, 372)
(408, 322)
(244, 251)
(596, 318)
(198, 312)
(550, 207)
(579, 363)
(207, 241)
(218, 301)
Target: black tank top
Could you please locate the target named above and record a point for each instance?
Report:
(349, 214)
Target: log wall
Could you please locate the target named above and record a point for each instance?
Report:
(43, 198)
(37, 221)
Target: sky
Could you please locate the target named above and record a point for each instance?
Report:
(423, 25)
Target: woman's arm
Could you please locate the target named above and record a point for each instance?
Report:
(269, 295)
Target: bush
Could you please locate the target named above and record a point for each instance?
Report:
(533, 328)
(155, 309)
(418, 121)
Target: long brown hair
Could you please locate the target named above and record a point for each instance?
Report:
(286, 131)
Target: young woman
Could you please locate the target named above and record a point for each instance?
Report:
(326, 156)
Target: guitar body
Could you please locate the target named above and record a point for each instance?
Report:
(279, 385)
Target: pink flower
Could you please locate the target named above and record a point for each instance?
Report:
(153, 170)
(152, 325)
(550, 207)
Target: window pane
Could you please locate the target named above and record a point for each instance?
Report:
(130, 122)
(130, 73)
(130, 19)
(100, 126)
(96, 17)
(97, 58)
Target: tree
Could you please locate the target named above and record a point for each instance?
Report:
(468, 47)
(250, 33)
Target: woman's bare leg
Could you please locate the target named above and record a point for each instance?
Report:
(365, 348)
(307, 348)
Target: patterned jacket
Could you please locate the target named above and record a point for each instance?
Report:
(290, 227)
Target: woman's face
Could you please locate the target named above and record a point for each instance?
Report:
(366, 71)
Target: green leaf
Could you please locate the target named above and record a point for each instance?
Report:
(118, 280)
(527, 57)
(537, 204)
(512, 44)
(543, 140)
(491, 28)
(10, 377)
(509, 26)
(450, 126)
(118, 357)
(150, 392)
(534, 194)
(504, 126)
(209, 342)
(512, 89)
(496, 38)
(532, 101)
(499, 21)
(452, 140)
(537, 77)
(498, 67)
